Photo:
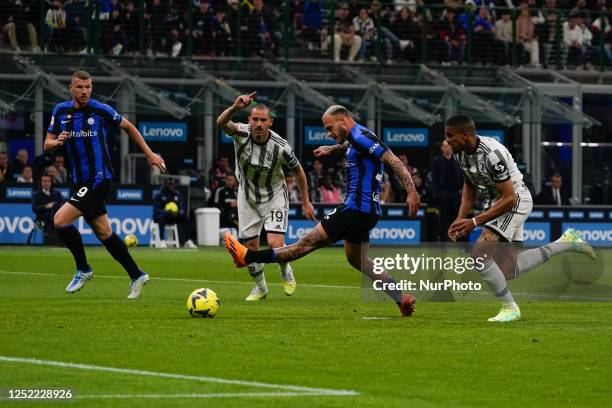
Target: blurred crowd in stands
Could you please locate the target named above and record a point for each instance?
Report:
(371, 30)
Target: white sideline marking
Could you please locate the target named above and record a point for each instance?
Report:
(312, 285)
(372, 318)
(256, 384)
(197, 396)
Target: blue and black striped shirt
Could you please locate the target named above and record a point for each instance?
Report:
(87, 145)
(364, 170)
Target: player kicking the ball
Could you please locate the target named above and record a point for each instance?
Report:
(490, 169)
(353, 220)
(262, 193)
(81, 126)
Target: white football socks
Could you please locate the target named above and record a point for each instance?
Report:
(496, 280)
(532, 258)
(256, 270)
(286, 271)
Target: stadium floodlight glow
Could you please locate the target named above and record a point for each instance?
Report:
(548, 102)
(46, 80)
(143, 90)
(406, 105)
(474, 101)
(218, 86)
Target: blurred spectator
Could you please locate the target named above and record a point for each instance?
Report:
(315, 180)
(202, 31)
(45, 202)
(155, 16)
(344, 35)
(293, 191)
(312, 22)
(162, 216)
(175, 26)
(576, 40)
(129, 24)
(483, 38)
(364, 27)
(447, 183)
(548, 31)
(56, 26)
(387, 194)
(583, 11)
(607, 36)
(52, 172)
(4, 167)
(553, 195)
(19, 22)
(264, 32)
(225, 199)
(217, 174)
(26, 176)
(526, 35)
(21, 160)
(406, 37)
(76, 23)
(330, 194)
(222, 34)
(422, 188)
(113, 37)
(452, 37)
(503, 35)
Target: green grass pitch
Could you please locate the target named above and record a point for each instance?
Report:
(324, 337)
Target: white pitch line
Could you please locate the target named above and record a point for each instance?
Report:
(255, 384)
(195, 396)
(312, 285)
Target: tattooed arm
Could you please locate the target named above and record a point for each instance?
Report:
(328, 150)
(412, 201)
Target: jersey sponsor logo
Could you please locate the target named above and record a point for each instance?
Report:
(408, 137)
(83, 133)
(19, 192)
(373, 148)
(163, 131)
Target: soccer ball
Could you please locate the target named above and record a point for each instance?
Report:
(203, 302)
(171, 207)
(130, 240)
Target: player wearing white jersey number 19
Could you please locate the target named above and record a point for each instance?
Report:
(262, 193)
(490, 170)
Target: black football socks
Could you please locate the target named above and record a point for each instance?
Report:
(264, 256)
(116, 247)
(73, 240)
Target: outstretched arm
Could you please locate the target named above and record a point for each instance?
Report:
(154, 160)
(224, 120)
(412, 201)
(328, 150)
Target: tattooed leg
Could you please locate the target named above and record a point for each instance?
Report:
(315, 239)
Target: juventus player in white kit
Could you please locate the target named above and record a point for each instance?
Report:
(262, 193)
(490, 169)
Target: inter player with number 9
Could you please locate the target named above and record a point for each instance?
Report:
(81, 126)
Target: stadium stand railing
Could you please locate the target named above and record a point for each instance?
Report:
(291, 29)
